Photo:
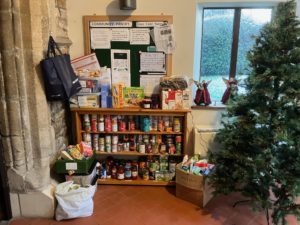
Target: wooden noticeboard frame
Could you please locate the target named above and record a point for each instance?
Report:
(135, 75)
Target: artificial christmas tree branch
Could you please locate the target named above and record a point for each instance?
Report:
(260, 147)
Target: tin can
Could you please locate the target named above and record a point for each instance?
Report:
(154, 123)
(95, 142)
(115, 139)
(171, 149)
(108, 147)
(114, 148)
(176, 125)
(114, 123)
(107, 123)
(146, 124)
(122, 125)
(146, 138)
(178, 139)
(178, 148)
(107, 139)
(86, 137)
(166, 122)
(86, 122)
(101, 147)
(100, 123)
(94, 123)
(160, 124)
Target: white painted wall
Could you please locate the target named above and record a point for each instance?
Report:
(184, 20)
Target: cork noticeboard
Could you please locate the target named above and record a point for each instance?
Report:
(129, 22)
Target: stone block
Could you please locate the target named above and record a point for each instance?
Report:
(15, 205)
(60, 4)
(5, 5)
(42, 204)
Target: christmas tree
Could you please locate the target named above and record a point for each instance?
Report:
(260, 138)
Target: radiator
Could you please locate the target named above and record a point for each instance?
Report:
(204, 140)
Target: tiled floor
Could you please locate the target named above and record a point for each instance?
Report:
(134, 205)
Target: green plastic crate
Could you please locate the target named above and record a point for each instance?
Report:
(63, 166)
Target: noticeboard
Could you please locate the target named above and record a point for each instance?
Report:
(122, 36)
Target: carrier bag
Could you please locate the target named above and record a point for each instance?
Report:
(74, 201)
(60, 80)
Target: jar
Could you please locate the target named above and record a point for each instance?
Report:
(115, 139)
(145, 174)
(134, 171)
(155, 101)
(142, 148)
(114, 148)
(147, 103)
(120, 173)
(146, 124)
(114, 172)
(95, 142)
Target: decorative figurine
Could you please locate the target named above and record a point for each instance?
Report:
(202, 94)
(231, 90)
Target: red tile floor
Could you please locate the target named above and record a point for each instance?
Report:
(143, 205)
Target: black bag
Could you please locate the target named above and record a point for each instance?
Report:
(61, 83)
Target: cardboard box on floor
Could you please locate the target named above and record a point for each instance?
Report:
(192, 188)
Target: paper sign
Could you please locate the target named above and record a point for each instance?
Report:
(150, 83)
(149, 24)
(111, 24)
(71, 166)
(100, 38)
(120, 65)
(119, 34)
(139, 36)
(152, 62)
(164, 39)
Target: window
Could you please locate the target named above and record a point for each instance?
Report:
(227, 36)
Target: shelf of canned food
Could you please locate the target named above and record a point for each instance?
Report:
(140, 134)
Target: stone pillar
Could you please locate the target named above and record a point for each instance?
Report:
(32, 130)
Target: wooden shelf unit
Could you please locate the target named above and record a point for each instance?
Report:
(78, 113)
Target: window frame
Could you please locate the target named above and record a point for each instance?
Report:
(237, 7)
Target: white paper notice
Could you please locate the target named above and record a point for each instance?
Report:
(153, 62)
(120, 65)
(150, 83)
(100, 38)
(139, 36)
(164, 38)
(119, 34)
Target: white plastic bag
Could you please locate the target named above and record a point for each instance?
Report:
(73, 203)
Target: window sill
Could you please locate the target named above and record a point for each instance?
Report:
(216, 106)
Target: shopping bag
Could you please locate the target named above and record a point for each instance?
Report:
(60, 80)
(74, 202)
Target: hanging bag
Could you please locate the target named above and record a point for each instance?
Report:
(61, 83)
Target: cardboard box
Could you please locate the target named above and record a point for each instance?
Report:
(164, 99)
(89, 100)
(117, 95)
(133, 96)
(178, 99)
(186, 99)
(192, 188)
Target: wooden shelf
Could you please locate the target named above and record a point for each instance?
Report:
(131, 111)
(133, 132)
(139, 181)
(132, 153)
